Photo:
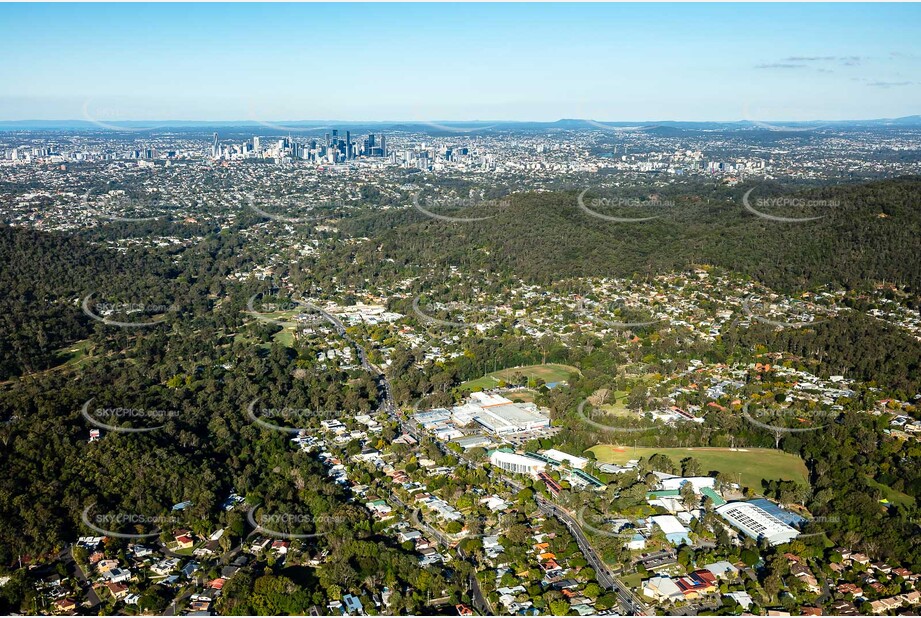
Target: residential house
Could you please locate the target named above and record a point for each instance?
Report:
(662, 588)
(118, 590)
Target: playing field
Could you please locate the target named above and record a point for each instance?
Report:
(754, 464)
(548, 373)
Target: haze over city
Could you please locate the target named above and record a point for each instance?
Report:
(539, 62)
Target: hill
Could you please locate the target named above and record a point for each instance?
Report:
(871, 232)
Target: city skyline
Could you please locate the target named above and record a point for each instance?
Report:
(411, 63)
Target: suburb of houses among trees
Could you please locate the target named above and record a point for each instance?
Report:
(515, 369)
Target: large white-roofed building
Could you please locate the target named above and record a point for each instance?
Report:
(697, 482)
(572, 460)
(494, 413)
(518, 464)
(755, 522)
(510, 418)
(671, 526)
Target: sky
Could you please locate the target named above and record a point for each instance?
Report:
(438, 62)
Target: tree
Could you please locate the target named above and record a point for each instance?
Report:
(690, 467)
(559, 608)
(688, 496)
(749, 557)
(454, 527)
(772, 585)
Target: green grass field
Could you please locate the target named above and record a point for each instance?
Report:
(75, 354)
(285, 337)
(892, 495)
(528, 396)
(71, 357)
(754, 464)
(616, 405)
(548, 373)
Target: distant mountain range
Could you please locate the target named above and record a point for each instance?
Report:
(448, 126)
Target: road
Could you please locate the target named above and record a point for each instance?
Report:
(385, 391)
(178, 604)
(91, 595)
(629, 602)
(480, 602)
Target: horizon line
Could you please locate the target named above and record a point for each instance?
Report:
(440, 120)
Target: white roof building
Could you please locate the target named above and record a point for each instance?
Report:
(510, 418)
(572, 460)
(488, 399)
(757, 523)
(697, 482)
(673, 529)
(519, 464)
(742, 598)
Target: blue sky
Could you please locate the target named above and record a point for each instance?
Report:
(460, 61)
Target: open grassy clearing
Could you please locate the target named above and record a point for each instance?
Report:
(892, 495)
(548, 373)
(616, 405)
(754, 464)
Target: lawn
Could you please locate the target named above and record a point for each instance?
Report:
(892, 495)
(285, 337)
(616, 405)
(71, 357)
(528, 396)
(754, 464)
(634, 580)
(74, 354)
(548, 373)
